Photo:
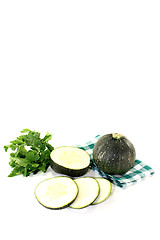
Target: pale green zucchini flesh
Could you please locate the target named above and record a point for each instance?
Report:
(88, 192)
(71, 161)
(105, 190)
(57, 192)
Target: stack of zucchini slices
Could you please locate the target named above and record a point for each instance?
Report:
(64, 191)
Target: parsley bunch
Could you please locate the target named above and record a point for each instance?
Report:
(31, 154)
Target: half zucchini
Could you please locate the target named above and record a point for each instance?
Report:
(71, 161)
(88, 192)
(57, 192)
(105, 190)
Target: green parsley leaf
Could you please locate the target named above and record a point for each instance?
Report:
(25, 130)
(31, 153)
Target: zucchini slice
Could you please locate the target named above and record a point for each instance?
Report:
(71, 161)
(88, 192)
(105, 190)
(56, 193)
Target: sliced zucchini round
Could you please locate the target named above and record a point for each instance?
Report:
(71, 161)
(105, 190)
(88, 192)
(56, 193)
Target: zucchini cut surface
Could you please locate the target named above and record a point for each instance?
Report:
(105, 190)
(56, 192)
(70, 160)
(88, 192)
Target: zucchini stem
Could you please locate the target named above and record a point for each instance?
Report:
(116, 135)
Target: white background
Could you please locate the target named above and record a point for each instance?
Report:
(78, 69)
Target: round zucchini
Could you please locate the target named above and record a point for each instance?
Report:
(56, 193)
(71, 161)
(88, 192)
(114, 154)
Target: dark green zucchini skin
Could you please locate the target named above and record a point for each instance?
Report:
(68, 171)
(114, 156)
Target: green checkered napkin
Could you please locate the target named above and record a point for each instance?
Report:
(135, 174)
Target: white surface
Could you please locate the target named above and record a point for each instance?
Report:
(78, 69)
